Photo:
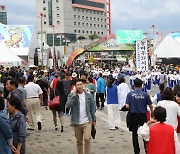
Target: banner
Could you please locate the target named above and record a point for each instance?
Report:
(141, 56)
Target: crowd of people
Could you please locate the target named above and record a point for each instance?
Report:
(82, 91)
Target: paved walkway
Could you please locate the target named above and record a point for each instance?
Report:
(49, 141)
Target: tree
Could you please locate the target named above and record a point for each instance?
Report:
(81, 38)
(93, 36)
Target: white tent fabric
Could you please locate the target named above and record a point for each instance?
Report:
(7, 57)
(168, 48)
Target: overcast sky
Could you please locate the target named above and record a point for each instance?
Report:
(126, 14)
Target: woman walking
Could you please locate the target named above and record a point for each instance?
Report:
(17, 123)
(112, 105)
(59, 91)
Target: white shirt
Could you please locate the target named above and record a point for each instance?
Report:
(33, 90)
(83, 118)
(172, 110)
(143, 131)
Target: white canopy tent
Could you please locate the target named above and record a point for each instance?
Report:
(7, 57)
(168, 48)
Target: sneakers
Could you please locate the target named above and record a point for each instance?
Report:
(116, 127)
(62, 128)
(39, 126)
(56, 128)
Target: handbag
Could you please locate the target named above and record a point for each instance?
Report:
(54, 102)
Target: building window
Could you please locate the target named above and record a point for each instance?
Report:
(90, 18)
(82, 10)
(101, 19)
(44, 8)
(79, 10)
(98, 25)
(91, 32)
(97, 19)
(87, 24)
(86, 18)
(82, 17)
(45, 22)
(74, 31)
(94, 19)
(105, 26)
(98, 33)
(83, 31)
(78, 23)
(101, 13)
(86, 11)
(44, 15)
(57, 15)
(94, 25)
(94, 32)
(58, 22)
(101, 33)
(74, 23)
(83, 24)
(94, 12)
(74, 9)
(101, 26)
(44, 1)
(104, 20)
(57, 8)
(57, 1)
(104, 14)
(79, 17)
(74, 16)
(79, 31)
(87, 32)
(90, 25)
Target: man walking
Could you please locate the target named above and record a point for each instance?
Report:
(101, 88)
(34, 100)
(137, 102)
(82, 115)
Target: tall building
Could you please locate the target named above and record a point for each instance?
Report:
(71, 19)
(3, 14)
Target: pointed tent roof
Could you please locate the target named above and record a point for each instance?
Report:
(7, 56)
(168, 48)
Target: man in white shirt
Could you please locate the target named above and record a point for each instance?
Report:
(34, 100)
(82, 116)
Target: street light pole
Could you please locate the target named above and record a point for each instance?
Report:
(54, 52)
(41, 15)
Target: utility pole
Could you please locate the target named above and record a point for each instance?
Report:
(42, 44)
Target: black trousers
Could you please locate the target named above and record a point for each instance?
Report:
(101, 96)
(137, 120)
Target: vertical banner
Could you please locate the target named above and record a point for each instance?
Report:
(141, 56)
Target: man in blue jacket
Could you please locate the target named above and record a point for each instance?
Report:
(101, 89)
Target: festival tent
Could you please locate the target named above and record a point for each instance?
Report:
(7, 57)
(169, 47)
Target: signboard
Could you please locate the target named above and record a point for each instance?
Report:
(141, 56)
(16, 36)
(128, 36)
(111, 45)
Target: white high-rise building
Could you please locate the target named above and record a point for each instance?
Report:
(71, 19)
